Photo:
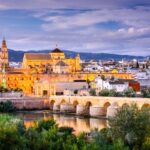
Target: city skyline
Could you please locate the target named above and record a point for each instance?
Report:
(82, 26)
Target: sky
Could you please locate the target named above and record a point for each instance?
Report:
(97, 26)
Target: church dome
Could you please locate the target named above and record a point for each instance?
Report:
(57, 50)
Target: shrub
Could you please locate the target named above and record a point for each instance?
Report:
(92, 92)
(129, 92)
(10, 139)
(104, 92)
(7, 106)
(131, 125)
(146, 93)
(66, 130)
(45, 124)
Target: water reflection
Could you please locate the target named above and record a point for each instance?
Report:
(80, 124)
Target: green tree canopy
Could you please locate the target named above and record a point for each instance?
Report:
(131, 125)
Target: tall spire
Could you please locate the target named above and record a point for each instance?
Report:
(4, 45)
(4, 55)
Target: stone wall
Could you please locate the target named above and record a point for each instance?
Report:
(28, 103)
(11, 94)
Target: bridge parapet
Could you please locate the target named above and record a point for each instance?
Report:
(101, 101)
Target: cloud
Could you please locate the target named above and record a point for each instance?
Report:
(71, 4)
(120, 27)
(129, 17)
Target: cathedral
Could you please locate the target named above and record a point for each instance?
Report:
(53, 62)
(51, 67)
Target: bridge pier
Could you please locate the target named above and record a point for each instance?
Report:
(66, 107)
(56, 107)
(97, 111)
(82, 110)
(112, 110)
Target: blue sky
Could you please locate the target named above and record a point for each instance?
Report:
(110, 26)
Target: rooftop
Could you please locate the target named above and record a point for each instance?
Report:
(61, 63)
(57, 50)
(37, 56)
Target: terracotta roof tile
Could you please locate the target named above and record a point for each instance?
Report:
(37, 56)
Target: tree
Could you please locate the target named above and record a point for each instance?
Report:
(129, 92)
(103, 77)
(137, 65)
(7, 107)
(147, 66)
(102, 141)
(146, 93)
(10, 138)
(112, 78)
(114, 93)
(92, 92)
(104, 92)
(66, 130)
(130, 125)
(46, 124)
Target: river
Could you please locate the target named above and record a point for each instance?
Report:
(80, 124)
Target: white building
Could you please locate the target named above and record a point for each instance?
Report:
(118, 85)
(93, 68)
(143, 78)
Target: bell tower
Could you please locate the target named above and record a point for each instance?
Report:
(4, 55)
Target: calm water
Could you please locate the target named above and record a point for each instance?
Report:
(80, 124)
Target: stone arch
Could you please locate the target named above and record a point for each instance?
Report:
(125, 105)
(62, 101)
(75, 103)
(52, 104)
(106, 105)
(145, 106)
(88, 104)
(52, 101)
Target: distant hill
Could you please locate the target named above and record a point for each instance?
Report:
(17, 56)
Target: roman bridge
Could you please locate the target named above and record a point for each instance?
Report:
(93, 105)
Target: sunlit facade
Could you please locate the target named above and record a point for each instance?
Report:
(51, 67)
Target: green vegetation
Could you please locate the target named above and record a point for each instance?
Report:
(129, 92)
(17, 90)
(7, 107)
(92, 92)
(2, 89)
(45, 135)
(103, 77)
(132, 126)
(146, 93)
(128, 130)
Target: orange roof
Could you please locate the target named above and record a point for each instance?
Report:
(37, 56)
